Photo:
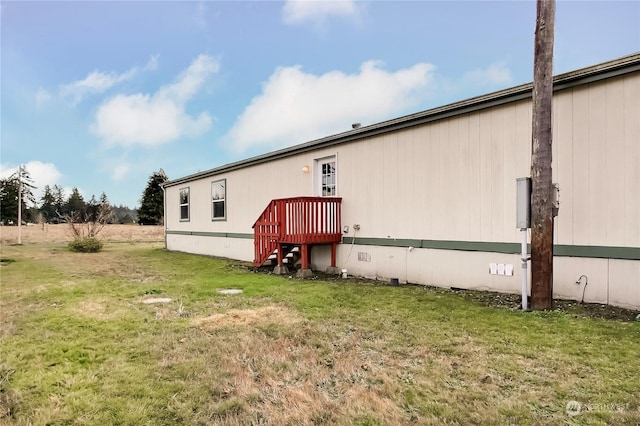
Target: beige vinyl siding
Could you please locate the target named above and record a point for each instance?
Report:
(450, 180)
(454, 179)
(596, 152)
(579, 163)
(631, 147)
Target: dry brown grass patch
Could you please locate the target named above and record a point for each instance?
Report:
(291, 371)
(247, 317)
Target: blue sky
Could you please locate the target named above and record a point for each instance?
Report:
(99, 95)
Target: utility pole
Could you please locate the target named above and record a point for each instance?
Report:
(541, 180)
(20, 204)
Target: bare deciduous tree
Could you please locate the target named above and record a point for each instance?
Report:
(88, 226)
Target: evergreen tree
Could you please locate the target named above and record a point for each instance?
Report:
(91, 210)
(48, 204)
(126, 219)
(123, 214)
(105, 210)
(59, 200)
(8, 201)
(151, 210)
(75, 203)
(104, 201)
(9, 189)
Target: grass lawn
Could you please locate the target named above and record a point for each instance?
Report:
(79, 345)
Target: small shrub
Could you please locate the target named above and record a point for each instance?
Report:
(86, 245)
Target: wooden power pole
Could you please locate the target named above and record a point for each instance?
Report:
(20, 204)
(541, 184)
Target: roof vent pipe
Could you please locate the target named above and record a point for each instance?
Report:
(356, 125)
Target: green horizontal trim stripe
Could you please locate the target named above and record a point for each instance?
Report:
(496, 247)
(438, 244)
(560, 250)
(605, 252)
(385, 242)
(239, 235)
(211, 234)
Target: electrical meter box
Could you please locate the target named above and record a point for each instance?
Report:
(523, 203)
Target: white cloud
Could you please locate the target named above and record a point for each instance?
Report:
(94, 83)
(98, 82)
(190, 80)
(145, 119)
(42, 174)
(317, 11)
(296, 107)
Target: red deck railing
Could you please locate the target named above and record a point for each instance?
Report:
(300, 221)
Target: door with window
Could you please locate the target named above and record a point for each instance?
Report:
(326, 185)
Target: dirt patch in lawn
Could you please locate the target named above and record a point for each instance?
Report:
(244, 317)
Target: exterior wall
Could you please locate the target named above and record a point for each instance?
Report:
(231, 248)
(249, 191)
(452, 182)
(597, 163)
(610, 281)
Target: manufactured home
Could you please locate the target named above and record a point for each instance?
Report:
(430, 198)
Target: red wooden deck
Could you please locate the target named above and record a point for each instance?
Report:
(298, 221)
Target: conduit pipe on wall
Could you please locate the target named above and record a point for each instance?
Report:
(525, 259)
(586, 281)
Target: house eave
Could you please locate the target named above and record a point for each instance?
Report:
(625, 65)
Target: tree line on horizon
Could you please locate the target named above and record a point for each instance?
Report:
(55, 207)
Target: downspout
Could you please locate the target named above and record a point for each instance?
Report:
(164, 214)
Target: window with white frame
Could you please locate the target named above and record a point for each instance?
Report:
(184, 204)
(219, 199)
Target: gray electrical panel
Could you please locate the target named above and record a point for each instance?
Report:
(523, 203)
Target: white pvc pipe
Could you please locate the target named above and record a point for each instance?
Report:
(523, 231)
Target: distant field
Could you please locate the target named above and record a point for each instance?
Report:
(60, 233)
